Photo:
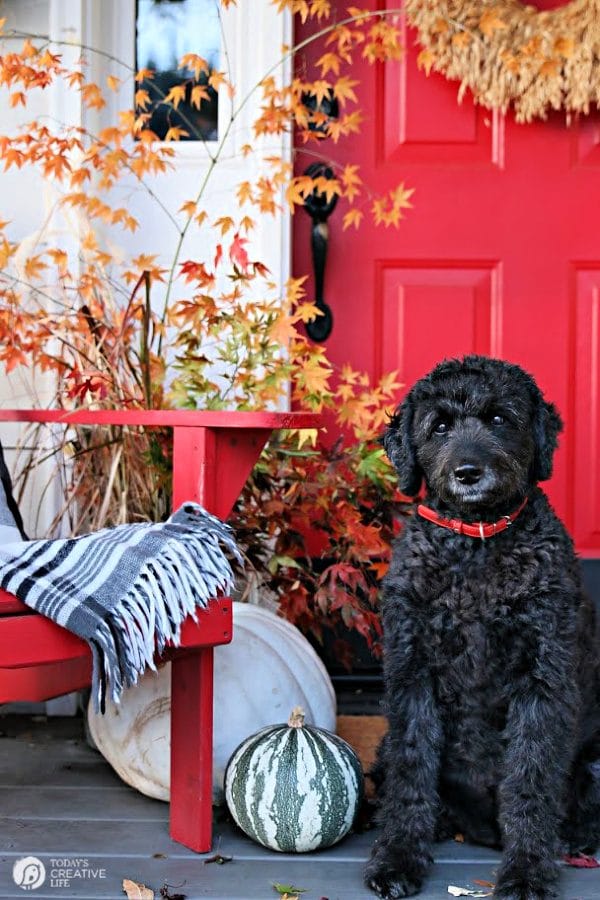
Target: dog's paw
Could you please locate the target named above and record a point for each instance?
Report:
(391, 885)
(388, 879)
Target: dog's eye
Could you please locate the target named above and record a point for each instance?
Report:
(442, 427)
(498, 420)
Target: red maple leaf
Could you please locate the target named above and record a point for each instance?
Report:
(237, 253)
(581, 861)
(195, 271)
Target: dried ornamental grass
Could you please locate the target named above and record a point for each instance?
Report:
(510, 54)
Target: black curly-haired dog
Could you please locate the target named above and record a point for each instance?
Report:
(491, 652)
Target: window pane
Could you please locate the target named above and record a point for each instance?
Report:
(166, 30)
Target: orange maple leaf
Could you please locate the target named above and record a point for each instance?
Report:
(189, 208)
(321, 9)
(343, 89)
(59, 257)
(352, 217)
(320, 90)
(244, 192)
(34, 266)
(144, 75)
(330, 187)
(314, 377)
(28, 50)
(13, 359)
(329, 62)
(195, 63)
(224, 223)
(142, 99)
(175, 134)
(283, 330)
(92, 96)
(351, 181)
(216, 79)
(199, 93)
(176, 95)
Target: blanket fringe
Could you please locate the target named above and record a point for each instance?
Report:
(190, 570)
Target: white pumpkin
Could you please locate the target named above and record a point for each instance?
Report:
(267, 669)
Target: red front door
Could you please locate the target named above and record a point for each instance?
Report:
(500, 255)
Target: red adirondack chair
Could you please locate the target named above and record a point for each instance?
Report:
(213, 454)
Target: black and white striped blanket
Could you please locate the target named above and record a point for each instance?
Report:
(126, 590)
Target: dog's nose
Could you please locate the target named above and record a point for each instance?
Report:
(468, 473)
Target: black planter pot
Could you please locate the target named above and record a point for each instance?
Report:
(359, 689)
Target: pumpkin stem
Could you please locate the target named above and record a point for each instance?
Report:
(296, 719)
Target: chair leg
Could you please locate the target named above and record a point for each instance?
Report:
(191, 749)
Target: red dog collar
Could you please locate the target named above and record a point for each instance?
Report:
(481, 530)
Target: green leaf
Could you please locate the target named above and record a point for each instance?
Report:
(288, 888)
(276, 562)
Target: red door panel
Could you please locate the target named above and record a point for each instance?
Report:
(500, 254)
(454, 308)
(586, 406)
(428, 129)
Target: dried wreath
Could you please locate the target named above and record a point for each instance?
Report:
(508, 53)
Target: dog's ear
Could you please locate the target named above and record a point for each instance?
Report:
(547, 424)
(398, 443)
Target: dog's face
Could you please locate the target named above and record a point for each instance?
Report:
(477, 430)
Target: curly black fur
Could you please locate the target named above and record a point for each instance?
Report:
(491, 648)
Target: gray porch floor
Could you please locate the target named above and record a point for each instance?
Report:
(59, 801)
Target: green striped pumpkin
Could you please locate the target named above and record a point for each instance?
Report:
(294, 787)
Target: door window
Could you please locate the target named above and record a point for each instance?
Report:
(166, 31)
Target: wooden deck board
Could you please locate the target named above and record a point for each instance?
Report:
(60, 800)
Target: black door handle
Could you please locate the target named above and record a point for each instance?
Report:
(319, 208)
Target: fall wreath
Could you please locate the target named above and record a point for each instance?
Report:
(508, 53)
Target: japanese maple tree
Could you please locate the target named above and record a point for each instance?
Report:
(210, 331)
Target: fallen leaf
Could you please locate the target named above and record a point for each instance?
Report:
(288, 888)
(581, 861)
(167, 895)
(481, 883)
(219, 859)
(137, 891)
(159, 856)
(459, 838)
(465, 892)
